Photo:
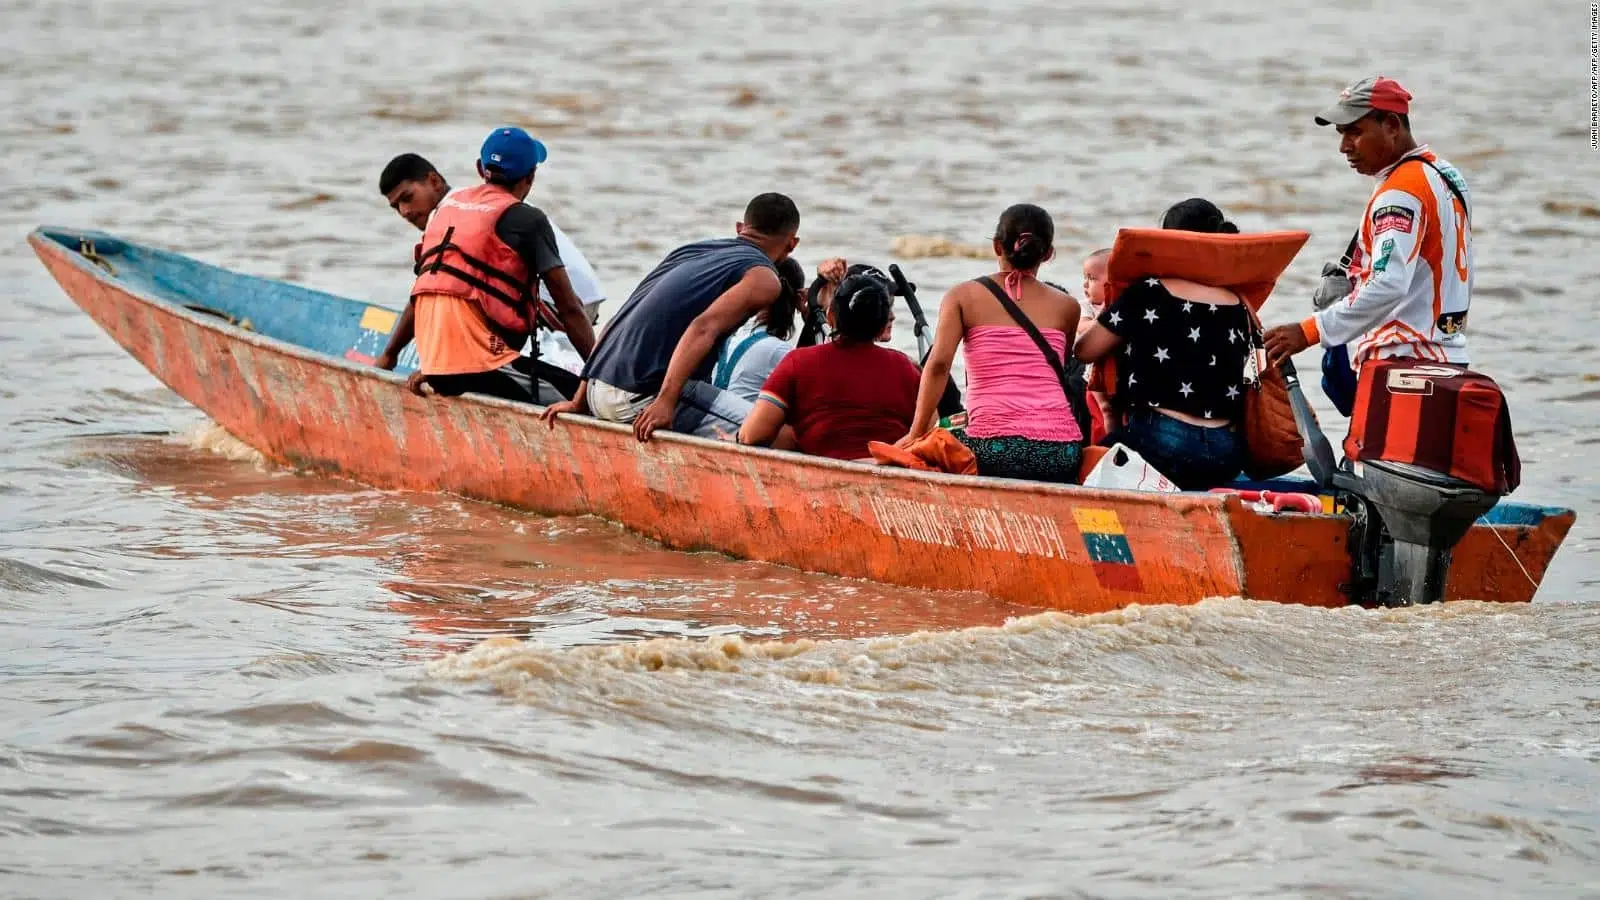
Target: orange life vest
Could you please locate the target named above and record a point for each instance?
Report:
(1247, 264)
(461, 256)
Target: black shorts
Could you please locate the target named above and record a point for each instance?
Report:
(524, 379)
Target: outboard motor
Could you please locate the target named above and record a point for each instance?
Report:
(1430, 451)
(1407, 521)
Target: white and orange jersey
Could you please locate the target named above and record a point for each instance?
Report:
(1412, 268)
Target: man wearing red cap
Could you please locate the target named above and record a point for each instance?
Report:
(1407, 282)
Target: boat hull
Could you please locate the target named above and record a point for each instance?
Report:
(1044, 546)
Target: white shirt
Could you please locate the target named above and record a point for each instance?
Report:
(584, 282)
(554, 346)
(759, 353)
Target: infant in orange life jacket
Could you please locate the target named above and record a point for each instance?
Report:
(1095, 286)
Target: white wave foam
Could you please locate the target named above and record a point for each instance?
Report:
(208, 435)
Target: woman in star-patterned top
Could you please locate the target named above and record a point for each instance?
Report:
(1181, 352)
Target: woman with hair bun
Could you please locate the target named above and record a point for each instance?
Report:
(833, 398)
(1197, 214)
(1020, 422)
(1181, 351)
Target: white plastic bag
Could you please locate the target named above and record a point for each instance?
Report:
(1124, 469)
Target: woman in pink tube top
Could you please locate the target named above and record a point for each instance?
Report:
(1019, 422)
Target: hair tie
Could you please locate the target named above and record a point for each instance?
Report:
(1021, 239)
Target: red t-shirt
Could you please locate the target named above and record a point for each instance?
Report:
(839, 396)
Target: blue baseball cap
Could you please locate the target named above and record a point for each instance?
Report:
(512, 151)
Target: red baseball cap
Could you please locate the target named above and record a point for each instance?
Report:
(1366, 95)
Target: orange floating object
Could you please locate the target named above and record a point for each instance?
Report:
(1247, 264)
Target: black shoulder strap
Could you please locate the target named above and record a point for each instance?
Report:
(1465, 210)
(1022, 319)
(1350, 251)
(1073, 384)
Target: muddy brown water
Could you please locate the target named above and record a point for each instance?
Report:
(225, 679)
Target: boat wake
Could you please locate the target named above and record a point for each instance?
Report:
(1045, 661)
(209, 436)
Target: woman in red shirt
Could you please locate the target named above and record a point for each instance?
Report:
(835, 397)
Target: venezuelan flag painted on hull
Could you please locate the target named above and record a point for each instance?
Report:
(1110, 554)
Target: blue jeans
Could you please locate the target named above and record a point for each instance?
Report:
(1194, 457)
(709, 411)
(1339, 380)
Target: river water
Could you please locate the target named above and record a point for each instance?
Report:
(225, 679)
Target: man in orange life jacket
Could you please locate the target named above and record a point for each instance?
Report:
(482, 256)
(413, 188)
(1411, 265)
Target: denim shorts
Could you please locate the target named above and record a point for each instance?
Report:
(704, 409)
(1196, 458)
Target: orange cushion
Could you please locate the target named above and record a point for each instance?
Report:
(1247, 264)
(938, 450)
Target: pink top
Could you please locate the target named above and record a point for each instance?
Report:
(1011, 390)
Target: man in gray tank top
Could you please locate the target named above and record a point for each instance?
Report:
(652, 364)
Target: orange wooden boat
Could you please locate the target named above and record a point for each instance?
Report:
(288, 371)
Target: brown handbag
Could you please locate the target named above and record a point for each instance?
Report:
(1273, 445)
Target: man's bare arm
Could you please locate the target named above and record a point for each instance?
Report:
(404, 331)
(753, 293)
(573, 316)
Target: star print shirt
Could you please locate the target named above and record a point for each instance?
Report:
(1178, 354)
